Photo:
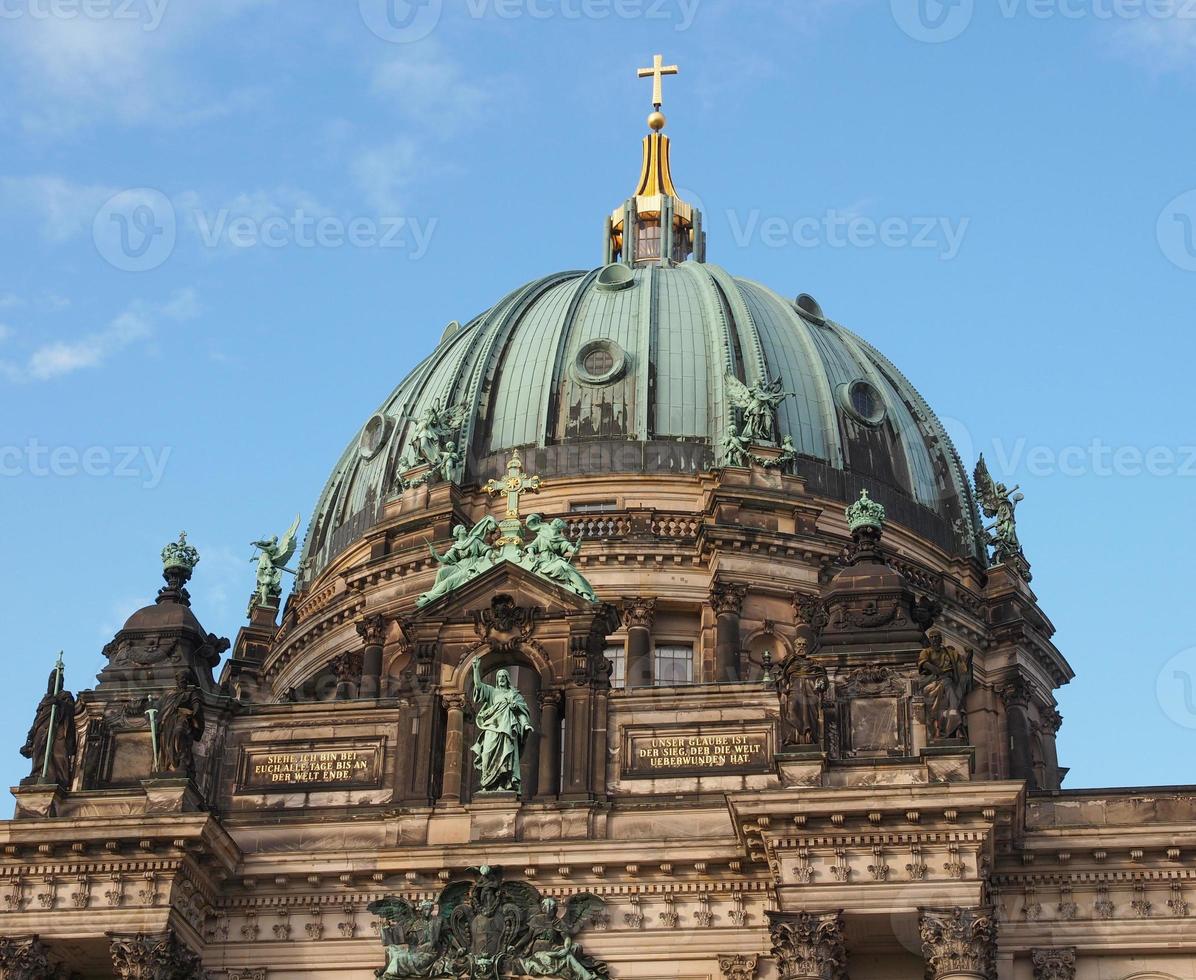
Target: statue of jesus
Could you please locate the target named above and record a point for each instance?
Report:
(503, 722)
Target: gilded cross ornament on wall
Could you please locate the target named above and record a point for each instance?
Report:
(657, 72)
(513, 485)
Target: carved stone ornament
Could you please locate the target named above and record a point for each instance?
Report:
(157, 957)
(1054, 964)
(727, 599)
(808, 945)
(639, 613)
(505, 625)
(372, 630)
(26, 959)
(959, 941)
(487, 928)
(741, 967)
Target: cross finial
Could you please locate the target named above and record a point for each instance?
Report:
(657, 72)
(513, 485)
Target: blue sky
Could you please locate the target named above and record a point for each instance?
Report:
(1001, 196)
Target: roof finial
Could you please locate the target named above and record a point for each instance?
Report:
(657, 72)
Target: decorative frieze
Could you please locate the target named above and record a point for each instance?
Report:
(1054, 964)
(808, 945)
(959, 942)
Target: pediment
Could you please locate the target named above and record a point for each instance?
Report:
(527, 589)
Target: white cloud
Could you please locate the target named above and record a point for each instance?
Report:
(5, 332)
(62, 207)
(136, 323)
(382, 172)
(423, 84)
(128, 66)
(1164, 42)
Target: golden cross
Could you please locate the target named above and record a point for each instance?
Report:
(657, 72)
(515, 483)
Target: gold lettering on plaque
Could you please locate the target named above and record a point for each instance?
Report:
(289, 768)
(699, 752)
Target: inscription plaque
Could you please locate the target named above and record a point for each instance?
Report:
(664, 752)
(311, 765)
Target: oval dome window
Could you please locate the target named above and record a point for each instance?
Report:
(615, 276)
(600, 362)
(862, 402)
(810, 307)
(373, 436)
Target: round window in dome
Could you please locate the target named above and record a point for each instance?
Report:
(599, 362)
(862, 402)
(373, 436)
(810, 307)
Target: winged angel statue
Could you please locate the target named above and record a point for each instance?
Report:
(999, 502)
(488, 929)
(272, 557)
(432, 439)
(758, 402)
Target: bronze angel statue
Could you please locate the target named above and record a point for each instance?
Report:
(549, 949)
(468, 555)
(758, 402)
(272, 557)
(432, 436)
(412, 937)
(999, 502)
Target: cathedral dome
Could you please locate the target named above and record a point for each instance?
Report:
(628, 369)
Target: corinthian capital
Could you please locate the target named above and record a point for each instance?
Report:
(1054, 964)
(372, 630)
(639, 613)
(26, 959)
(959, 942)
(808, 945)
(157, 957)
(726, 598)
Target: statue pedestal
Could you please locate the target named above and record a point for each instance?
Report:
(171, 794)
(37, 800)
(263, 617)
(949, 760)
(493, 816)
(801, 765)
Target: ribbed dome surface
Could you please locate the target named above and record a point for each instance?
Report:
(624, 370)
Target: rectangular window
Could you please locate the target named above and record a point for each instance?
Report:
(593, 506)
(674, 663)
(617, 655)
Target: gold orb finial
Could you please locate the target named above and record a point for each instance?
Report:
(656, 121)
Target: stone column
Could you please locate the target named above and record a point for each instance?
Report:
(579, 714)
(421, 728)
(808, 945)
(548, 785)
(26, 959)
(727, 603)
(1054, 964)
(158, 957)
(372, 631)
(638, 615)
(1016, 697)
(959, 944)
(454, 748)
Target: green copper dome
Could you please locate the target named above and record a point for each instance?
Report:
(625, 369)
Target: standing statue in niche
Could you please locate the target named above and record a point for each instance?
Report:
(504, 723)
(180, 725)
(758, 402)
(50, 745)
(948, 680)
(801, 685)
